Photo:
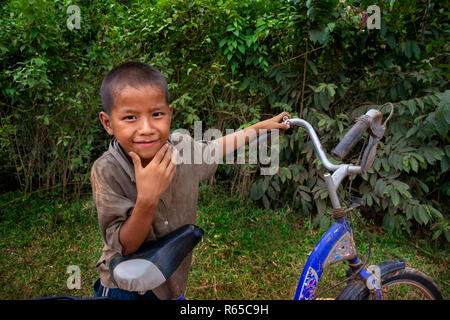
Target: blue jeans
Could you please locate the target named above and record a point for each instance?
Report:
(120, 294)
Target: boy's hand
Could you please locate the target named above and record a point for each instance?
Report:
(153, 180)
(274, 123)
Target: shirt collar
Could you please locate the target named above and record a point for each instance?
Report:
(119, 154)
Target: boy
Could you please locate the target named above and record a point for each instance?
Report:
(140, 191)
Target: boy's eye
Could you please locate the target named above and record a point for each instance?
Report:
(129, 118)
(158, 114)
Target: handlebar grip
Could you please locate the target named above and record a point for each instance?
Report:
(351, 138)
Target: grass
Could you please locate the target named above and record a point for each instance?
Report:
(246, 253)
(40, 239)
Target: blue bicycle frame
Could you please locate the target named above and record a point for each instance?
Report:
(337, 244)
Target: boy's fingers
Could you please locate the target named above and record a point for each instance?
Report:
(171, 157)
(283, 114)
(167, 157)
(284, 126)
(280, 117)
(136, 160)
(160, 154)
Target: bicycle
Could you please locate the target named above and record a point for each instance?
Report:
(153, 264)
(387, 280)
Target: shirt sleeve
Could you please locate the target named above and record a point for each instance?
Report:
(209, 163)
(113, 208)
(202, 155)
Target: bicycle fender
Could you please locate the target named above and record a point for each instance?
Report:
(390, 266)
(373, 274)
(377, 272)
(355, 288)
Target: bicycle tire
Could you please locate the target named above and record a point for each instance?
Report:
(357, 290)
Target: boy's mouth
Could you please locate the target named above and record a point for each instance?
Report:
(146, 144)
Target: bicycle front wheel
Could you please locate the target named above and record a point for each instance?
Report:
(403, 284)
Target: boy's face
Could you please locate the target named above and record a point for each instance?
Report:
(139, 120)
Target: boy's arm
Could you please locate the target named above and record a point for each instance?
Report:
(136, 228)
(151, 182)
(234, 141)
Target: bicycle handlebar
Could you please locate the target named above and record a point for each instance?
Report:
(316, 142)
(371, 122)
(351, 138)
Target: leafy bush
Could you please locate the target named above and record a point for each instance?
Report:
(230, 63)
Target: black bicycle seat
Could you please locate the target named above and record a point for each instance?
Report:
(155, 261)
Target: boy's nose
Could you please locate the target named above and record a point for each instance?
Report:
(146, 127)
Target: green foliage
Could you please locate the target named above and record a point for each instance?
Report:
(230, 63)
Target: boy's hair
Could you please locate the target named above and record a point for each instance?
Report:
(134, 74)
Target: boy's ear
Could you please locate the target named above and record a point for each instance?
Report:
(106, 122)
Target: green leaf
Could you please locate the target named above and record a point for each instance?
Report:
(423, 186)
(408, 49)
(442, 119)
(423, 214)
(271, 193)
(436, 234)
(420, 103)
(265, 183)
(385, 164)
(414, 164)
(288, 173)
(415, 49)
(395, 197)
(331, 91)
(419, 157)
(393, 92)
(400, 184)
(445, 164)
(389, 221)
(436, 212)
(409, 212)
(256, 191)
(266, 202)
(368, 199)
(285, 173)
(444, 106)
(313, 67)
(324, 100)
(411, 106)
(276, 186)
(405, 193)
(324, 222)
(406, 166)
(305, 196)
(391, 40)
(318, 36)
(380, 187)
